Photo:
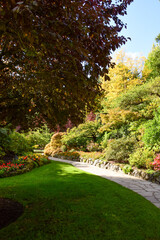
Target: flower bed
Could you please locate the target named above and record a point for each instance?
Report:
(9, 167)
(22, 164)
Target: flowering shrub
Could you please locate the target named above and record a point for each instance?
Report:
(22, 164)
(156, 163)
(28, 158)
(10, 167)
(32, 157)
(6, 168)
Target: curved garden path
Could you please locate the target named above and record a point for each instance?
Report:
(149, 190)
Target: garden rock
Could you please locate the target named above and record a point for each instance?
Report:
(95, 162)
(118, 168)
(147, 176)
(143, 175)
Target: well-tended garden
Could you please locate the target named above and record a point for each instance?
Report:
(63, 96)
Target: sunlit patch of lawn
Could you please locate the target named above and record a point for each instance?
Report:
(64, 203)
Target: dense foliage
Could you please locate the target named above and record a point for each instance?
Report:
(4, 141)
(128, 126)
(141, 158)
(151, 135)
(39, 137)
(52, 57)
(13, 143)
(51, 54)
(153, 61)
(82, 136)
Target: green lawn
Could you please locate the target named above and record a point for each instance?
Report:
(63, 203)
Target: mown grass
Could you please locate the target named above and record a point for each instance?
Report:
(64, 203)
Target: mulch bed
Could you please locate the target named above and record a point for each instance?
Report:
(9, 211)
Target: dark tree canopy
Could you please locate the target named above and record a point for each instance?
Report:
(51, 54)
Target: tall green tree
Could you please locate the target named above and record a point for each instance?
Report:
(153, 60)
(51, 54)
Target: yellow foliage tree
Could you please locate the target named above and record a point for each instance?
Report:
(126, 73)
(116, 117)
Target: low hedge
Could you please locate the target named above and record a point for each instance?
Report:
(74, 156)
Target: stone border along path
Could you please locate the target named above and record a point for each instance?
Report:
(149, 190)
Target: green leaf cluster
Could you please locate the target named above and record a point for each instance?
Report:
(151, 136)
(19, 143)
(81, 136)
(39, 136)
(153, 61)
(141, 158)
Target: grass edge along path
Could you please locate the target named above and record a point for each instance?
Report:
(147, 189)
(62, 202)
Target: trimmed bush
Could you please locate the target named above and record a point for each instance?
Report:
(55, 145)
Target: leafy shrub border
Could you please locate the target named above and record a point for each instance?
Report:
(74, 156)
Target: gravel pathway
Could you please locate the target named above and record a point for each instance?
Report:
(149, 190)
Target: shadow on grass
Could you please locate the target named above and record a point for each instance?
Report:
(62, 202)
(146, 189)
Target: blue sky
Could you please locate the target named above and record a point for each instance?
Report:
(143, 26)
